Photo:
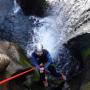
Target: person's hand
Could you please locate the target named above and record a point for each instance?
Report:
(42, 70)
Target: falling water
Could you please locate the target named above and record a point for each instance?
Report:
(48, 33)
(16, 7)
(65, 21)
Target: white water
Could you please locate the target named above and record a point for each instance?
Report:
(59, 26)
(16, 7)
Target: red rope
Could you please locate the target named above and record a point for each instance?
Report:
(15, 76)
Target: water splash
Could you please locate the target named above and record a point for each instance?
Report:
(65, 20)
(16, 7)
(48, 34)
(61, 24)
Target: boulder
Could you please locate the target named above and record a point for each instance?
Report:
(80, 48)
(33, 7)
(11, 56)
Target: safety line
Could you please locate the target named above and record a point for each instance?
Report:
(16, 76)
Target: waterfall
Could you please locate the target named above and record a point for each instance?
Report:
(16, 7)
(66, 20)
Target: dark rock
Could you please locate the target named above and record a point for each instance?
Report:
(16, 29)
(5, 7)
(5, 34)
(33, 7)
(79, 47)
(78, 44)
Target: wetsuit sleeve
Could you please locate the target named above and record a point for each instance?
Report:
(49, 60)
(33, 60)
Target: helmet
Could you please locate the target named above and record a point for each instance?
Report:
(39, 48)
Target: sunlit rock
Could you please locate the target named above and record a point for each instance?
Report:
(4, 61)
(10, 56)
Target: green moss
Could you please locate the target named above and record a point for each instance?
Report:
(86, 52)
(23, 59)
(36, 76)
(86, 86)
(25, 63)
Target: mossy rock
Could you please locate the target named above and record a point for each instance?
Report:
(18, 59)
(80, 48)
(86, 53)
(85, 86)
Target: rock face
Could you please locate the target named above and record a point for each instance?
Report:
(5, 6)
(4, 61)
(9, 51)
(10, 54)
(80, 47)
(12, 62)
(33, 7)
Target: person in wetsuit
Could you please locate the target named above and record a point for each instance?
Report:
(42, 56)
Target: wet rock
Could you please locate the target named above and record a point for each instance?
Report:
(5, 7)
(80, 48)
(5, 34)
(13, 61)
(11, 50)
(4, 61)
(33, 7)
(8, 49)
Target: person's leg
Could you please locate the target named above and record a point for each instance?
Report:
(43, 78)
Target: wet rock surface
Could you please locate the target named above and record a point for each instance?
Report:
(80, 47)
(17, 63)
(33, 7)
(5, 7)
(9, 49)
(17, 27)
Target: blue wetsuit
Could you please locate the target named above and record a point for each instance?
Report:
(46, 59)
